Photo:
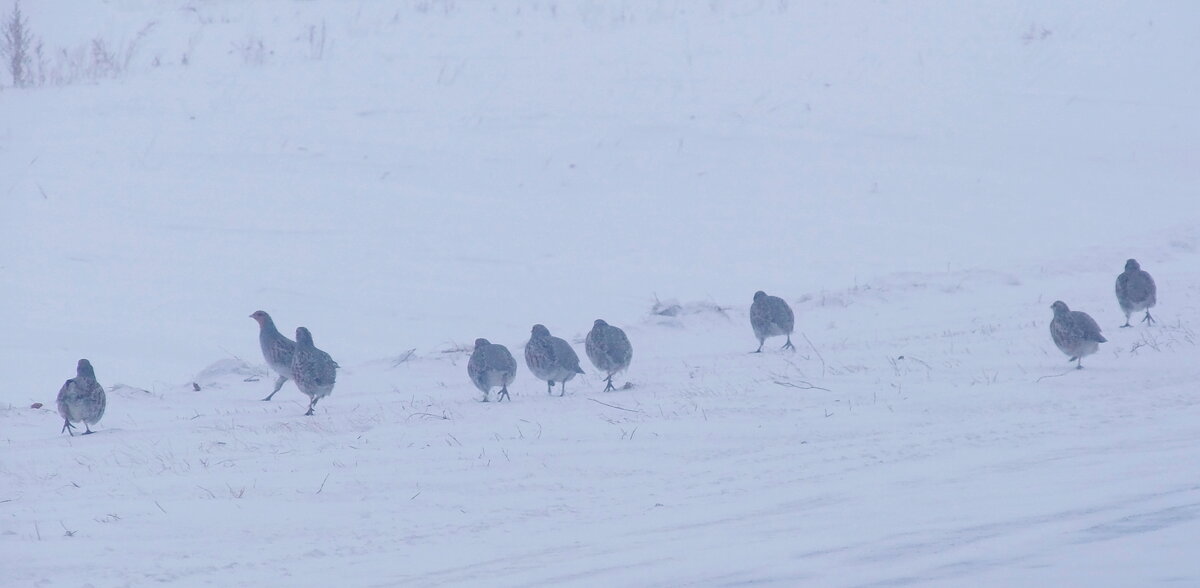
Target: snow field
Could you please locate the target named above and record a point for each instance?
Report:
(918, 182)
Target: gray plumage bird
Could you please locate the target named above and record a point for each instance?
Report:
(551, 359)
(81, 399)
(1136, 292)
(609, 349)
(1075, 333)
(491, 365)
(771, 316)
(276, 349)
(312, 369)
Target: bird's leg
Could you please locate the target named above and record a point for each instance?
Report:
(760, 344)
(789, 345)
(1126, 321)
(550, 387)
(563, 385)
(609, 387)
(311, 405)
(1079, 363)
(278, 384)
(89, 429)
(1149, 319)
(485, 396)
(1073, 359)
(503, 394)
(67, 427)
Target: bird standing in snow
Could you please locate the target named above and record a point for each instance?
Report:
(81, 399)
(1136, 292)
(609, 349)
(491, 365)
(771, 316)
(312, 369)
(1075, 333)
(551, 359)
(276, 349)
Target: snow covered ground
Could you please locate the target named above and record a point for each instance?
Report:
(919, 181)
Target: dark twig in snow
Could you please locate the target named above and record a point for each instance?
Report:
(911, 358)
(404, 357)
(814, 348)
(164, 511)
(442, 416)
(231, 354)
(323, 484)
(539, 426)
(802, 386)
(1052, 376)
(614, 406)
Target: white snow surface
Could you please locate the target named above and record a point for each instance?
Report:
(919, 180)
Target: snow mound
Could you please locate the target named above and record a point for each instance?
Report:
(223, 372)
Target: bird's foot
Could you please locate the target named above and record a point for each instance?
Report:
(1073, 359)
(88, 432)
(1079, 367)
(503, 396)
(484, 399)
(68, 428)
(310, 411)
(1149, 319)
(1126, 325)
(609, 387)
(788, 345)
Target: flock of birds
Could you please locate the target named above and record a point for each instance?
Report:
(550, 358)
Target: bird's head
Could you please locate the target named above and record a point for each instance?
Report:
(540, 331)
(84, 369)
(303, 337)
(1132, 265)
(759, 295)
(481, 342)
(262, 317)
(599, 323)
(1059, 307)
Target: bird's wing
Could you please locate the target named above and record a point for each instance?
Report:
(99, 398)
(63, 393)
(565, 355)
(1089, 328)
(786, 318)
(1151, 289)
